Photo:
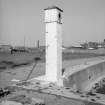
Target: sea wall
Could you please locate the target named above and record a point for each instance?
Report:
(85, 78)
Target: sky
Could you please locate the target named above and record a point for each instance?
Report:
(22, 21)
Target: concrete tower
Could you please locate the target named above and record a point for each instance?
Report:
(53, 44)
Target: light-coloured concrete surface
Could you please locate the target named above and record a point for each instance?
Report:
(10, 103)
(62, 92)
(83, 76)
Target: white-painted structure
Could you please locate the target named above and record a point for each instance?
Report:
(53, 36)
(53, 44)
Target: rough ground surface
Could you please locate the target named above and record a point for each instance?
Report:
(46, 98)
(18, 66)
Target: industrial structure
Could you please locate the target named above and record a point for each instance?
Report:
(53, 37)
(53, 43)
(93, 45)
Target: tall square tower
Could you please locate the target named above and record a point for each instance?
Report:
(53, 37)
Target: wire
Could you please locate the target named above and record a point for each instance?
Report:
(34, 66)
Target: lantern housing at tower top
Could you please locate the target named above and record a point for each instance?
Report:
(53, 14)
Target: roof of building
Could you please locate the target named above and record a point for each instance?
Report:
(53, 7)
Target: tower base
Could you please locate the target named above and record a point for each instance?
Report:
(44, 81)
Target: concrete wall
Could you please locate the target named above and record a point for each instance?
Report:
(84, 79)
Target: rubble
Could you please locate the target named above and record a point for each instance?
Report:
(10, 103)
(4, 92)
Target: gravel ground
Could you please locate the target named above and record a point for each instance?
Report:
(22, 72)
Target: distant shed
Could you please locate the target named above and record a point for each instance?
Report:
(5, 48)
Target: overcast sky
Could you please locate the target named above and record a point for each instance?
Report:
(83, 20)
